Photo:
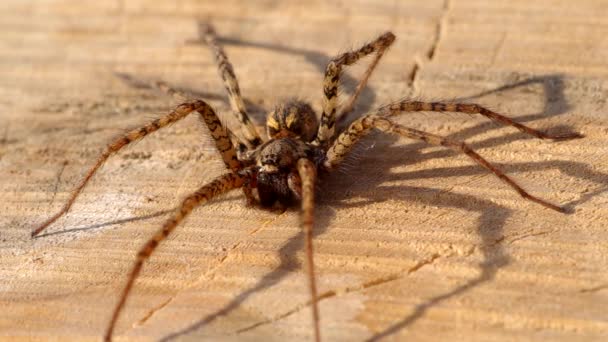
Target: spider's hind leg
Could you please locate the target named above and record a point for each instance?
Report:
(361, 127)
(208, 116)
(469, 108)
(217, 187)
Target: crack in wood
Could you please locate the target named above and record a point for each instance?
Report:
(439, 29)
(152, 312)
(448, 252)
(351, 289)
(58, 181)
(208, 275)
(523, 236)
(594, 289)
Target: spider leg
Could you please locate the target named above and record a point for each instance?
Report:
(240, 148)
(307, 173)
(350, 104)
(217, 187)
(468, 108)
(208, 116)
(361, 127)
(226, 71)
(184, 97)
(167, 89)
(332, 82)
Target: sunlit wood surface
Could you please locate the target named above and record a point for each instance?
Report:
(413, 242)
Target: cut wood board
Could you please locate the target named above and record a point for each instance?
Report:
(413, 242)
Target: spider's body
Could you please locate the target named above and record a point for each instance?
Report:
(277, 175)
(291, 127)
(282, 170)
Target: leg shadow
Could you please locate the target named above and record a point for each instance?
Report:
(106, 224)
(315, 58)
(489, 227)
(492, 217)
(288, 264)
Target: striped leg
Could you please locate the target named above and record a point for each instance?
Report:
(307, 173)
(240, 148)
(468, 108)
(184, 97)
(217, 187)
(350, 104)
(332, 82)
(218, 132)
(361, 127)
(226, 71)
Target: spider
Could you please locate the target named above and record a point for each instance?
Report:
(282, 170)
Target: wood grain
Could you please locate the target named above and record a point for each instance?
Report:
(412, 242)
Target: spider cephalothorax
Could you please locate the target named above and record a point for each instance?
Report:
(283, 169)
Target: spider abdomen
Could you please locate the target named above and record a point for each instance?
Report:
(295, 119)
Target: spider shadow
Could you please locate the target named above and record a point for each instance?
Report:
(490, 227)
(145, 217)
(491, 216)
(491, 219)
(288, 264)
(96, 226)
(144, 84)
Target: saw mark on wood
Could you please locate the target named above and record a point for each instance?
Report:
(58, 180)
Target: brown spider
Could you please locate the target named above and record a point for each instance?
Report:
(283, 169)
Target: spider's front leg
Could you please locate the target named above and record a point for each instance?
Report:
(307, 173)
(332, 81)
(231, 162)
(217, 187)
(226, 71)
(361, 127)
(219, 133)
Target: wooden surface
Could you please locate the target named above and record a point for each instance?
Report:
(413, 242)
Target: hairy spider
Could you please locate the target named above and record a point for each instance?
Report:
(283, 169)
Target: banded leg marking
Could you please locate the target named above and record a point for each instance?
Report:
(218, 186)
(226, 71)
(361, 127)
(469, 108)
(332, 81)
(218, 132)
